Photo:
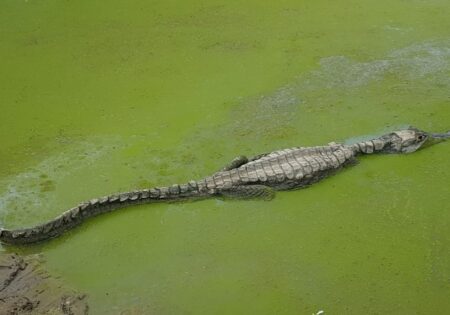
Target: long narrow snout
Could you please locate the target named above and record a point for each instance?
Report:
(434, 138)
(441, 136)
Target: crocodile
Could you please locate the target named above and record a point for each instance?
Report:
(245, 178)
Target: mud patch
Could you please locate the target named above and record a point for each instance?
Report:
(26, 288)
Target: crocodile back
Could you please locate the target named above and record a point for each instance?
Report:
(286, 169)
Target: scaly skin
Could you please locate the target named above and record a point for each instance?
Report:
(257, 177)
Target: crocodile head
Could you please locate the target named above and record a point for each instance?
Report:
(410, 140)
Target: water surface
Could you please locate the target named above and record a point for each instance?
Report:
(102, 97)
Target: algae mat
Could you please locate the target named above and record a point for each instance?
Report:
(102, 97)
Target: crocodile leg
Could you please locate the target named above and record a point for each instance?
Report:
(237, 161)
(241, 160)
(248, 192)
(257, 157)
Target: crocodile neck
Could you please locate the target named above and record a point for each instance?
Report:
(378, 145)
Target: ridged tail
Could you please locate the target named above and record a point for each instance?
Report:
(94, 207)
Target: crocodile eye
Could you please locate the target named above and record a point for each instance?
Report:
(420, 137)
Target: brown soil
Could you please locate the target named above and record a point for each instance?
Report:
(26, 288)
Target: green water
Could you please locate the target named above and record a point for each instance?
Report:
(98, 97)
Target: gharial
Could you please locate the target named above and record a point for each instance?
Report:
(256, 177)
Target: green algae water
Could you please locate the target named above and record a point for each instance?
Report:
(98, 97)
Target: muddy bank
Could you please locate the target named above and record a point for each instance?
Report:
(26, 288)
